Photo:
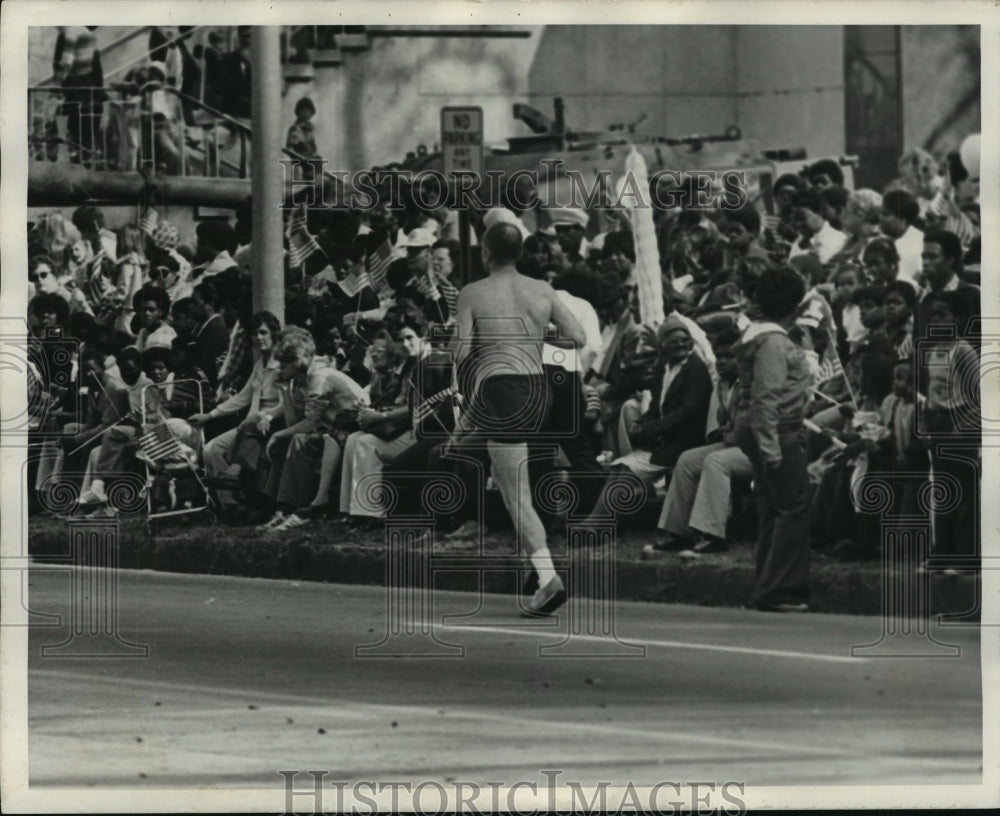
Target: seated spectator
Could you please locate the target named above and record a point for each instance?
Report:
(366, 452)
(153, 305)
(696, 507)
(116, 454)
(104, 400)
(420, 287)
(166, 367)
(833, 200)
(814, 313)
(779, 233)
(817, 235)
(237, 311)
(824, 173)
(618, 256)
(881, 261)
(836, 525)
(900, 303)
(43, 280)
(432, 412)
(216, 242)
(858, 218)
(676, 419)
(48, 311)
(211, 338)
(89, 221)
(870, 301)
(742, 257)
(898, 222)
(942, 265)
(846, 315)
(227, 452)
(312, 401)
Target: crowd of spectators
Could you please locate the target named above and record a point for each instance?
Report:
(799, 349)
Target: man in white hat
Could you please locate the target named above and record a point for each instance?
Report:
(501, 215)
(571, 224)
(419, 257)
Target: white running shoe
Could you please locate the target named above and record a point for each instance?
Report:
(290, 523)
(92, 497)
(268, 526)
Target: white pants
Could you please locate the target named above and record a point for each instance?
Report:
(698, 498)
(216, 451)
(364, 456)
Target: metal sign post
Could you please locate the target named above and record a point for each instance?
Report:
(462, 154)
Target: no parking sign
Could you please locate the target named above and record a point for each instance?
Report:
(462, 140)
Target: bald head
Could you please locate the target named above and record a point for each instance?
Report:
(501, 245)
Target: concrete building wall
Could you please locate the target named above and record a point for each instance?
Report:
(682, 78)
(941, 85)
(381, 103)
(790, 86)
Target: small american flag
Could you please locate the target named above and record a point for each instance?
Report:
(955, 220)
(159, 444)
(426, 285)
(149, 220)
(301, 245)
(378, 264)
(354, 283)
(449, 293)
(831, 368)
(427, 407)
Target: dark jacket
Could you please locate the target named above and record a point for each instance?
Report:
(774, 387)
(237, 83)
(211, 343)
(431, 401)
(677, 423)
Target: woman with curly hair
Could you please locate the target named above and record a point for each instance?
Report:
(153, 304)
(313, 399)
(859, 220)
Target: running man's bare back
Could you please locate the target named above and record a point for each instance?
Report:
(510, 305)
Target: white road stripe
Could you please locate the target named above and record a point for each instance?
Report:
(666, 644)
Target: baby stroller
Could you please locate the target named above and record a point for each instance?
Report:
(171, 449)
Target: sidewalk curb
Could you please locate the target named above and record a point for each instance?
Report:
(836, 588)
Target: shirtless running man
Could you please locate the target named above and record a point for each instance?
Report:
(501, 324)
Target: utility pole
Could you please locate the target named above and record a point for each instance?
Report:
(267, 179)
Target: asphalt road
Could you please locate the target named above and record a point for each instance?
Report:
(246, 677)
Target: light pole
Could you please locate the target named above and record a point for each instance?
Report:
(267, 180)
